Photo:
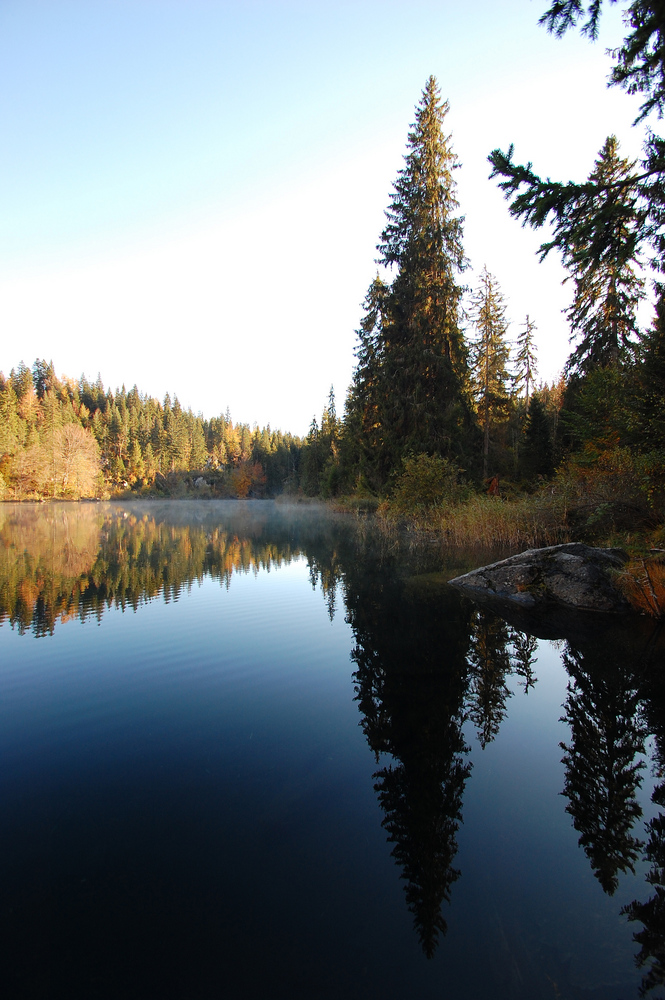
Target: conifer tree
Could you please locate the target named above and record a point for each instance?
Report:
(311, 461)
(607, 288)
(537, 455)
(525, 360)
(640, 61)
(490, 354)
(43, 376)
(21, 380)
(363, 424)
(648, 402)
(329, 429)
(412, 371)
(10, 424)
(329, 448)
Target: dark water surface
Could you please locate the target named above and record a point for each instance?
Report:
(251, 751)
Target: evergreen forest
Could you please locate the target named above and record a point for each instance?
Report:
(445, 424)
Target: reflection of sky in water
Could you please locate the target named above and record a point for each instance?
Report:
(188, 787)
(242, 655)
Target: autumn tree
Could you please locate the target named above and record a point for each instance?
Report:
(77, 462)
(56, 434)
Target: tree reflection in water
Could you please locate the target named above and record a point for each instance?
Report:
(489, 663)
(410, 682)
(615, 702)
(524, 646)
(425, 662)
(65, 561)
(603, 758)
(651, 913)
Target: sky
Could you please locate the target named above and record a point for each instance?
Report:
(192, 191)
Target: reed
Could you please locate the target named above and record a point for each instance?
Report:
(523, 522)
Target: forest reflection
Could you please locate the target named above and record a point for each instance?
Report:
(69, 561)
(431, 671)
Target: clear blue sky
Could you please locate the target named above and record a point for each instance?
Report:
(191, 192)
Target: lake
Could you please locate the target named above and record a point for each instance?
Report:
(250, 750)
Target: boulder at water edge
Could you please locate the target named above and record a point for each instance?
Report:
(574, 575)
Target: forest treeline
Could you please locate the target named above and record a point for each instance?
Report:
(444, 406)
(61, 438)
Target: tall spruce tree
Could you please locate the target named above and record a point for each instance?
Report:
(608, 288)
(412, 372)
(526, 367)
(490, 354)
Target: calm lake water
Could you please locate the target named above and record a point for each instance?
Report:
(252, 751)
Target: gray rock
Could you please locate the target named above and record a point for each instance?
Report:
(573, 575)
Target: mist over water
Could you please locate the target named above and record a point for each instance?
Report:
(256, 750)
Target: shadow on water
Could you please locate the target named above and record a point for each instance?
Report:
(428, 666)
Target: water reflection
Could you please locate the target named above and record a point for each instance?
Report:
(426, 664)
(76, 560)
(615, 705)
(651, 912)
(523, 659)
(489, 664)
(604, 756)
(410, 682)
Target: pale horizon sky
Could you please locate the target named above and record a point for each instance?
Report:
(192, 192)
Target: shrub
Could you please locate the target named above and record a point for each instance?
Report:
(611, 488)
(426, 483)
